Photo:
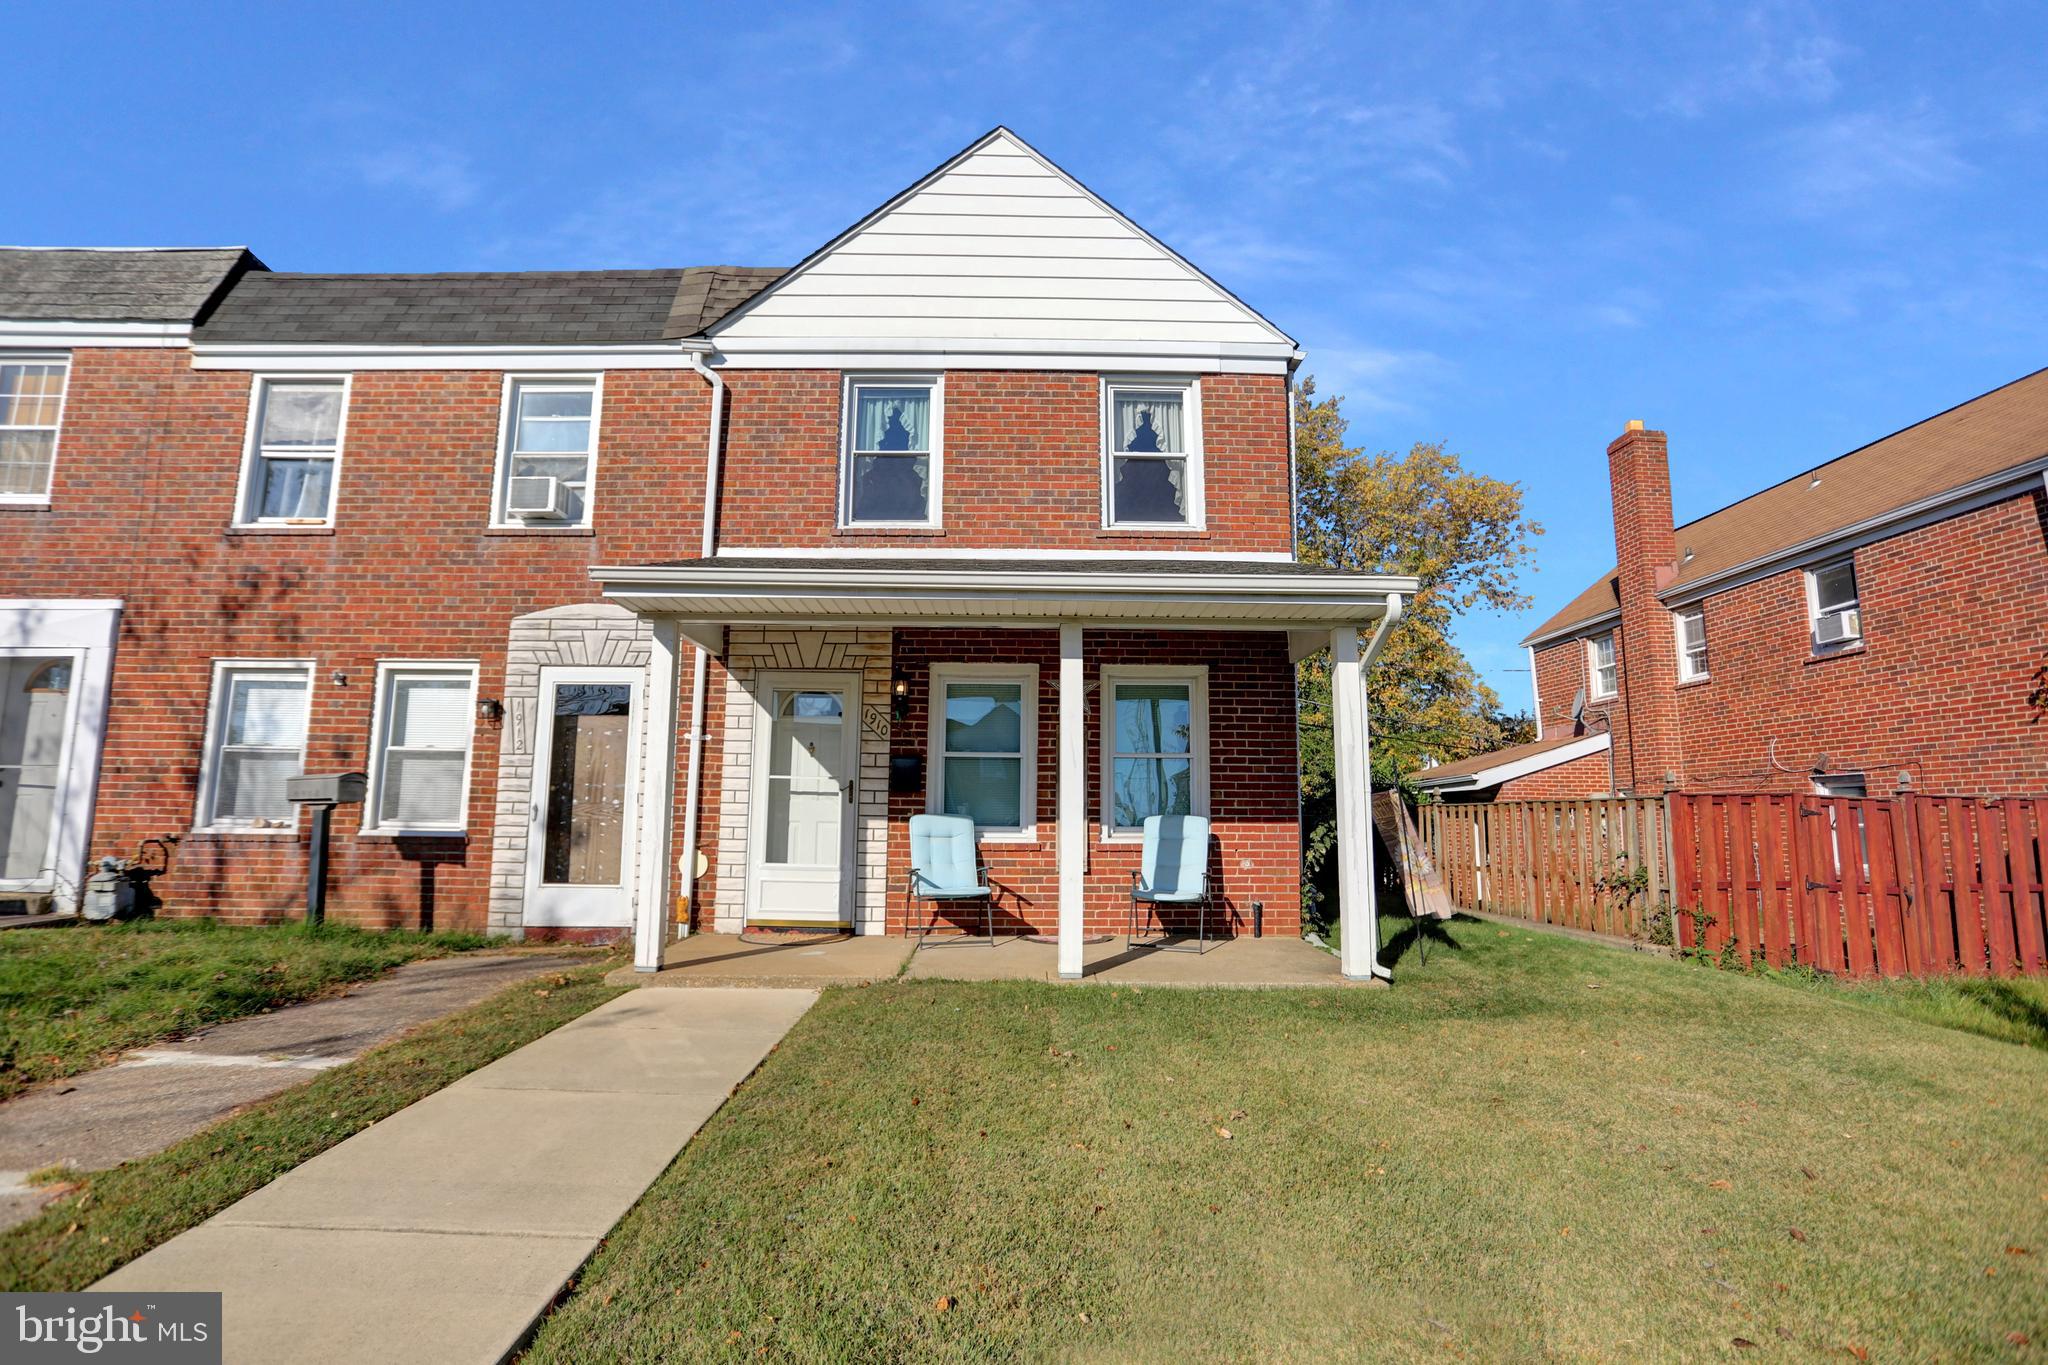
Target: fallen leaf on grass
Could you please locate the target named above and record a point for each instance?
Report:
(1719, 1185)
(2016, 1338)
(1807, 1171)
(1238, 1114)
(1797, 1235)
(1744, 1342)
(944, 1303)
(1860, 1352)
(2018, 1251)
(1223, 1133)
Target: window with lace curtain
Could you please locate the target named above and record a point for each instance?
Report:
(891, 465)
(294, 449)
(1152, 454)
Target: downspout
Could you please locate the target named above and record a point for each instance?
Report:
(1379, 635)
(701, 658)
(1293, 474)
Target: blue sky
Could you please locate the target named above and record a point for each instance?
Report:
(1775, 231)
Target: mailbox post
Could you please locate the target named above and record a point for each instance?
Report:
(322, 794)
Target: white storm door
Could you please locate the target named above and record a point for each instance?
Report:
(806, 759)
(36, 692)
(586, 757)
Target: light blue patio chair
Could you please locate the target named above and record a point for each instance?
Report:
(946, 867)
(1173, 870)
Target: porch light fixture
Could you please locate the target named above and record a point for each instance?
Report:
(899, 694)
(490, 709)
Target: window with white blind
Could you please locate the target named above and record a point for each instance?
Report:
(1600, 665)
(419, 748)
(984, 742)
(1152, 454)
(1692, 644)
(31, 407)
(549, 455)
(255, 739)
(288, 471)
(1155, 745)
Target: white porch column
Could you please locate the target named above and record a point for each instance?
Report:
(1073, 800)
(1358, 911)
(657, 798)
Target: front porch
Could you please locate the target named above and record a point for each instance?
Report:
(713, 959)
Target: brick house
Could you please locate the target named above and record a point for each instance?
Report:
(658, 601)
(1869, 625)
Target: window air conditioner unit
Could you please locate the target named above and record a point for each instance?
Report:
(534, 497)
(1838, 627)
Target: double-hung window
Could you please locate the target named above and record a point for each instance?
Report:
(1155, 745)
(1832, 601)
(1692, 644)
(1152, 454)
(549, 454)
(1600, 665)
(984, 746)
(255, 739)
(419, 748)
(893, 453)
(31, 407)
(288, 473)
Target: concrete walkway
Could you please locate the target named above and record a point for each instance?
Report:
(443, 1233)
(159, 1095)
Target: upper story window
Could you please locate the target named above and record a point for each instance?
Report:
(1692, 644)
(1600, 666)
(892, 457)
(1833, 606)
(31, 405)
(1152, 454)
(288, 473)
(255, 739)
(549, 454)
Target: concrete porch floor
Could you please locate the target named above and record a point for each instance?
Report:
(724, 960)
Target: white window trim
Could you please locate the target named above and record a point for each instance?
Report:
(1685, 669)
(1026, 675)
(1191, 420)
(373, 800)
(935, 458)
(1197, 678)
(594, 381)
(252, 435)
(1593, 691)
(1813, 613)
(63, 358)
(216, 732)
(1824, 784)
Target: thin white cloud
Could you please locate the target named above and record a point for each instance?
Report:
(441, 175)
(1768, 53)
(1850, 160)
(1373, 380)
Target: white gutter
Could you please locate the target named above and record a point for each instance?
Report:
(701, 658)
(1379, 634)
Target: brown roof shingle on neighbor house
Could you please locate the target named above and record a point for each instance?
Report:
(1479, 763)
(2001, 430)
(117, 284)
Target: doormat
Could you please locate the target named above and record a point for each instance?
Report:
(1089, 941)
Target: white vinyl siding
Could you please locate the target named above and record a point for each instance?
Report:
(420, 748)
(1691, 628)
(255, 739)
(549, 429)
(1600, 668)
(984, 746)
(1155, 745)
(292, 464)
(1000, 248)
(31, 413)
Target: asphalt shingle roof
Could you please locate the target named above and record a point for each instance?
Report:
(474, 308)
(2000, 430)
(144, 284)
(709, 292)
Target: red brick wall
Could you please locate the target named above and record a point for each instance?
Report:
(1561, 670)
(1021, 465)
(1253, 801)
(1955, 619)
(1574, 778)
(1647, 754)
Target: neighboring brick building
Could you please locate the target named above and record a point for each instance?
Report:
(1872, 624)
(994, 451)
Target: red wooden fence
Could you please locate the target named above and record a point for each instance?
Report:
(1916, 886)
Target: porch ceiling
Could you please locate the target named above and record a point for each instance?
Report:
(1166, 592)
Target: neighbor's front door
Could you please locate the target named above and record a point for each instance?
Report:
(35, 708)
(580, 843)
(805, 761)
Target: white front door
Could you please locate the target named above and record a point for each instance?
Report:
(35, 714)
(806, 761)
(579, 848)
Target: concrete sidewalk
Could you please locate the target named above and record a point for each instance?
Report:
(156, 1096)
(443, 1233)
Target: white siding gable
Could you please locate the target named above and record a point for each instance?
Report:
(1000, 258)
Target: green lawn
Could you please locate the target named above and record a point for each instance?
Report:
(1531, 1147)
(114, 1216)
(73, 998)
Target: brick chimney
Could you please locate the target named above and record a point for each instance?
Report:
(1647, 752)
